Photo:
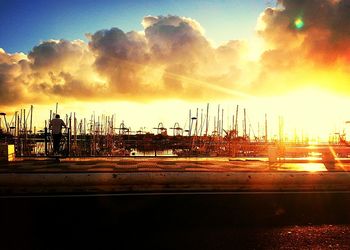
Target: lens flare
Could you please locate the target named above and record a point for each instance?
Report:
(299, 23)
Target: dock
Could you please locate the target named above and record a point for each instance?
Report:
(169, 174)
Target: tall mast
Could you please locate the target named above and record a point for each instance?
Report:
(207, 120)
(266, 139)
(236, 123)
(245, 123)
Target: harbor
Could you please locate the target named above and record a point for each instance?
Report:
(221, 182)
(97, 156)
(202, 135)
(175, 124)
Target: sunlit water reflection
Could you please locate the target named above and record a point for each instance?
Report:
(309, 167)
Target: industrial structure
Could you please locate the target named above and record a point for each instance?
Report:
(102, 136)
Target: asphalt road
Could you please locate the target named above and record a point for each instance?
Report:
(101, 205)
(287, 220)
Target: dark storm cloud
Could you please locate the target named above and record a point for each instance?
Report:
(170, 58)
(296, 56)
(325, 35)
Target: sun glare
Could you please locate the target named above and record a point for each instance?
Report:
(312, 167)
(307, 112)
(299, 23)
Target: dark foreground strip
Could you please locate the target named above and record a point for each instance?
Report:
(160, 182)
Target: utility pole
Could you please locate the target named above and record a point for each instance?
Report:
(189, 123)
(222, 121)
(31, 119)
(200, 133)
(236, 123)
(196, 127)
(233, 122)
(215, 129)
(281, 128)
(266, 139)
(245, 123)
(218, 121)
(207, 120)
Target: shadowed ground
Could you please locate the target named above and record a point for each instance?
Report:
(173, 204)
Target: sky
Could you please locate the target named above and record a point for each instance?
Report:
(152, 61)
(25, 23)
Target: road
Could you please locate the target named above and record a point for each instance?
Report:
(178, 221)
(196, 204)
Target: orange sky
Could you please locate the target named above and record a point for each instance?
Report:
(158, 73)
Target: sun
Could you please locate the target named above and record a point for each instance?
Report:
(315, 112)
(309, 112)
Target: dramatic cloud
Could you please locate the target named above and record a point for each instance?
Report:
(12, 68)
(63, 69)
(121, 58)
(308, 44)
(170, 58)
